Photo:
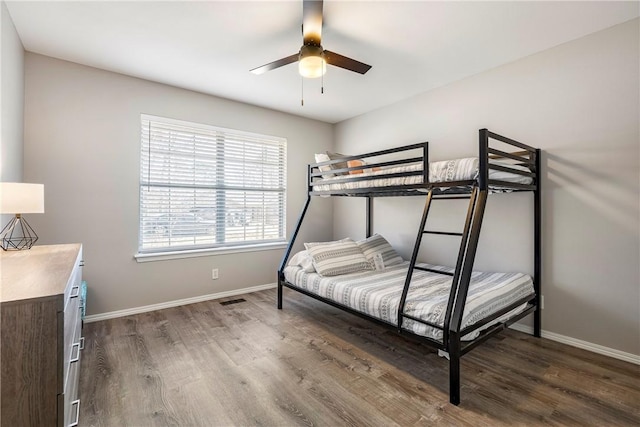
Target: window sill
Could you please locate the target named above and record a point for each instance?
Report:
(193, 253)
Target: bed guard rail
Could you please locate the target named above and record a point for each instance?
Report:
(345, 174)
(524, 162)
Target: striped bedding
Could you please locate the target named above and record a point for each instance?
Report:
(444, 171)
(377, 294)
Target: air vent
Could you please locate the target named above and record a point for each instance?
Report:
(233, 301)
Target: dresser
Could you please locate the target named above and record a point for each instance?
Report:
(40, 341)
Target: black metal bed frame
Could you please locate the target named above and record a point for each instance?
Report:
(474, 190)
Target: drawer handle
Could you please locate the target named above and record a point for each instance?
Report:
(75, 422)
(75, 359)
(77, 294)
(81, 343)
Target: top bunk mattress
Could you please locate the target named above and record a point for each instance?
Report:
(377, 294)
(465, 169)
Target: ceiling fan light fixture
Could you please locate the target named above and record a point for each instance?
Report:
(312, 63)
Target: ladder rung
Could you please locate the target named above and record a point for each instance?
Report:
(443, 233)
(446, 273)
(450, 197)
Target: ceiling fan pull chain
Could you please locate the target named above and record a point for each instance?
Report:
(322, 84)
(302, 92)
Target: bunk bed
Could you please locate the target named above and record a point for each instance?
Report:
(445, 308)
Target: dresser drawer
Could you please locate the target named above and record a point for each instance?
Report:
(73, 287)
(71, 342)
(71, 401)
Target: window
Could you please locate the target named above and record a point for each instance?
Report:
(207, 187)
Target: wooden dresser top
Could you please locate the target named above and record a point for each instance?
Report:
(39, 272)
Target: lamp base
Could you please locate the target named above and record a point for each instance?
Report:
(17, 235)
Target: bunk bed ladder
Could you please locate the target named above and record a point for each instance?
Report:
(459, 262)
(459, 283)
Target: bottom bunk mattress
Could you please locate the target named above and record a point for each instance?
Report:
(377, 294)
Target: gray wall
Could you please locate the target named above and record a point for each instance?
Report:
(12, 102)
(82, 140)
(579, 102)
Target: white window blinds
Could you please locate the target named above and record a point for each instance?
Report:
(207, 187)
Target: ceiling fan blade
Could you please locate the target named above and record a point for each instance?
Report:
(312, 21)
(338, 60)
(276, 64)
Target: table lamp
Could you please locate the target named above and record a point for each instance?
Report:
(19, 198)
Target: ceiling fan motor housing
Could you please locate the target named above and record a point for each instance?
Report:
(311, 50)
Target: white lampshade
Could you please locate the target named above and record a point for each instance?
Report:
(21, 198)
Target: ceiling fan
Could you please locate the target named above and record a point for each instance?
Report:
(313, 58)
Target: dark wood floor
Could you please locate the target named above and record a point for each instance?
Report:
(310, 364)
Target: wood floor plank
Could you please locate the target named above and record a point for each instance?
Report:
(311, 364)
(609, 399)
(101, 382)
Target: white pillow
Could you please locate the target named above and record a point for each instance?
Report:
(509, 176)
(323, 157)
(336, 258)
(303, 260)
(311, 244)
(340, 165)
(377, 246)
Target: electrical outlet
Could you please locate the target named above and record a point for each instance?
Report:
(214, 274)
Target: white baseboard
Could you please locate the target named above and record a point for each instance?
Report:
(585, 345)
(175, 303)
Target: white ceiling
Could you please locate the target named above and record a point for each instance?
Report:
(210, 47)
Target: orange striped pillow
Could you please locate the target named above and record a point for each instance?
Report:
(353, 164)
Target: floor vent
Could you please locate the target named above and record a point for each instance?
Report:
(233, 301)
